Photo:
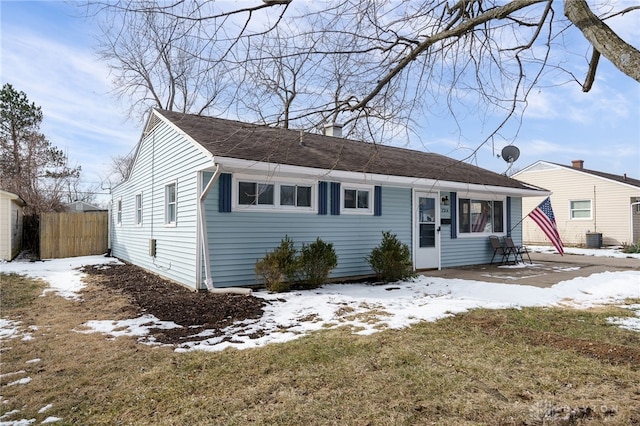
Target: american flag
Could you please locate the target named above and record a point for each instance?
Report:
(544, 218)
(480, 222)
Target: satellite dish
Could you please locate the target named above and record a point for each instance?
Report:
(510, 153)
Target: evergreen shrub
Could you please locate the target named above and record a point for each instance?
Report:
(391, 260)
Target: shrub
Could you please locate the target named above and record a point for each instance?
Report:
(278, 268)
(631, 248)
(315, 263)
(391, 260)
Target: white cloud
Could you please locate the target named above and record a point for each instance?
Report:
(72, 87)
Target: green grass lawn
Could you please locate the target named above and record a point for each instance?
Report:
(513, 367)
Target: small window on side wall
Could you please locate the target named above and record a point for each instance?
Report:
(580, 209)
(119, 211)
(138, 209)
(170, 204)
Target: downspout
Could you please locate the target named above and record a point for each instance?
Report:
(109, 226)
(595, 210)
(205, 240)
(631, 241)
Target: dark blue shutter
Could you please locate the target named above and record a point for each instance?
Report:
(508, 216)
(335, 198)
(224, 198)
(377, 201)
(454, 215)
(322, 198)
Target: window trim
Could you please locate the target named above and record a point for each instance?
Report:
(572, 210)
(480, 197)
(276, 206)
(139, 208)
(119, 211)
(357, 210)
(167, 221)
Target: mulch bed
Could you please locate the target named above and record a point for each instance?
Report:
(168, 301)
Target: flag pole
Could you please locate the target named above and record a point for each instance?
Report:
(521, 220)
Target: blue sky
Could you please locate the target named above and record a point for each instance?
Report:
(47, 51)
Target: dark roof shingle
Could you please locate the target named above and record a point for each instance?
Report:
(610, 176)
(227, 138)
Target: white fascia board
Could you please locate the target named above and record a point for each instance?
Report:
(175, 128)
(232, 165)
(570, 169)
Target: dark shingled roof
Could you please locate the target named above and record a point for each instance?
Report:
(610, 176)
(233, 139)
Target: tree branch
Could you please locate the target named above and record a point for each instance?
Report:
(624, 56)
(499, 12)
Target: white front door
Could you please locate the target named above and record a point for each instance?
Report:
(426, 241)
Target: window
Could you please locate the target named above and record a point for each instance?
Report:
(480, 216)
(138, 209)
(580, 209)
(252, 193)
(357, 200)
(119, 211)
(295, 195)
(274, 196)
(170, 204)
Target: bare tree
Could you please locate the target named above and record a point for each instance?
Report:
(30, 166)
(121, 166)
(174, 56)
(276, 74)
(382, 63)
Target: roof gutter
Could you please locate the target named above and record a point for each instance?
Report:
(270, 169)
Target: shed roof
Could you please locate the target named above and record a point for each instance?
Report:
(234, 139)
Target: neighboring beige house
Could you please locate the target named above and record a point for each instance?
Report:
(10, 225)
(590, 207)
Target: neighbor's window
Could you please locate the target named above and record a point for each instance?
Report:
(138, 209)
(480, 216)
(119, 211)
(356, 200)
(580, 209)
(170, 204)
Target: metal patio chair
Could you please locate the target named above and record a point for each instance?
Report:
(517, 251)
(499, 249)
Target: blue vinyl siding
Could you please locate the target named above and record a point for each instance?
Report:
(163, 157)
(463, 251)
(238, 239)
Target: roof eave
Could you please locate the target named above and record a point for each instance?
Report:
(235, 165)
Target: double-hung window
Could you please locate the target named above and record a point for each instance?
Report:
(476, 216)
(138, 209)
(580, 209)
(119, 211)
(356, 199)
(274, 195)
(170, 204)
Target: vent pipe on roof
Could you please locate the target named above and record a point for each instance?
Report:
(333, 129)
(577, 164)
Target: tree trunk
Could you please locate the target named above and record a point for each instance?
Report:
(603, 39)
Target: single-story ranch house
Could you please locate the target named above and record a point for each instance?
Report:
(206, 198)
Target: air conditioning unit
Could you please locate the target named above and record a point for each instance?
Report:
(152, 247)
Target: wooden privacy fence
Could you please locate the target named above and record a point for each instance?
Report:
(73, 234)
